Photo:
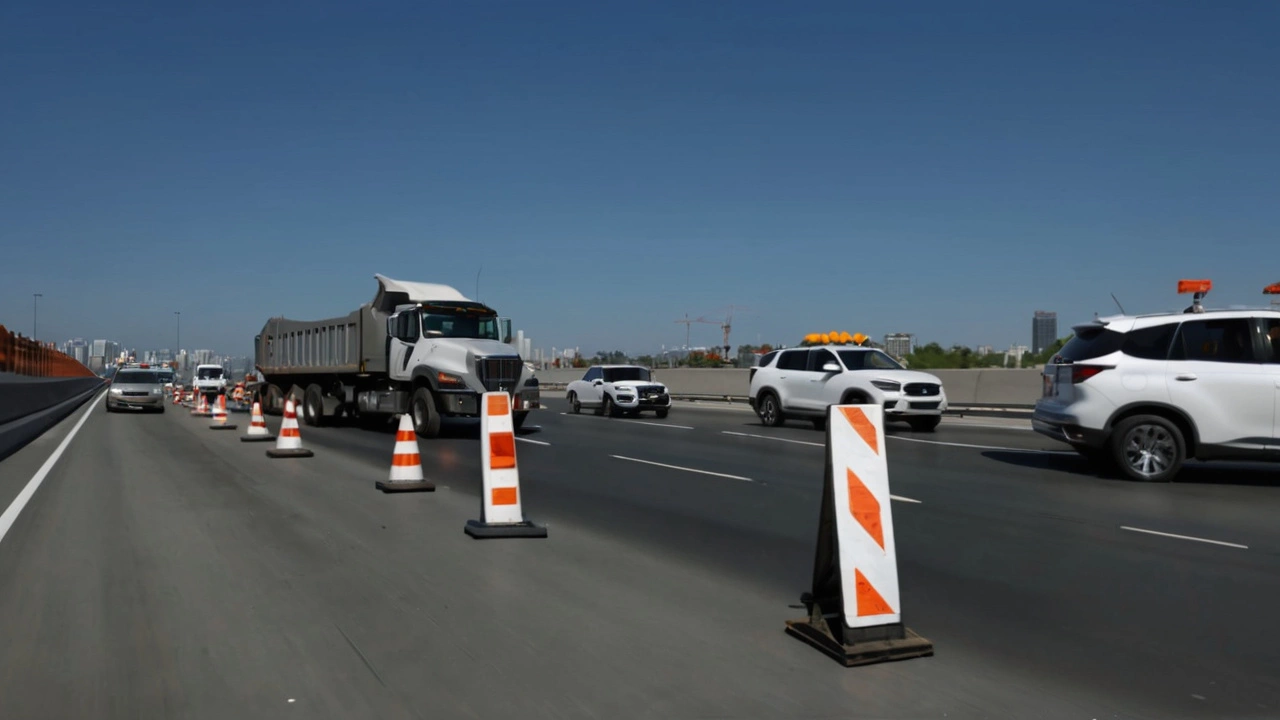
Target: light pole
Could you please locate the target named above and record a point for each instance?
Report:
(35, 315)
(177, 342)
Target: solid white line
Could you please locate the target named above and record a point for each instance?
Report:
(665, 425)
(766, 437)
(981, 447)
(899, 498)
(987, 426)
(530, 440)
(1184, 537)
(11, 514)
(677, 467)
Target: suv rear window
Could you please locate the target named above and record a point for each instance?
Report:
(1150, 343)
(1091, 341)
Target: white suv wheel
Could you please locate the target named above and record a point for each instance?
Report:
(1149, 448)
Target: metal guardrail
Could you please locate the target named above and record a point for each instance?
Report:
(24, 356)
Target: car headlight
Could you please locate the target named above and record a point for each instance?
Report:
(887, 385)
(116, 391)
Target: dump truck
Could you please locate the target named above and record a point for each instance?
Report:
(417, 348)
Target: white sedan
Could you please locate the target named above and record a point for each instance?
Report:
(614, 390)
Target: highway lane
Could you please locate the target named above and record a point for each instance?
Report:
(206, 578)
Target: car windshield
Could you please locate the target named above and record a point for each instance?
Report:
(209, 373)
(166, 376)
(625, 373)
(137, 377)
(439, 321)
(867, 360)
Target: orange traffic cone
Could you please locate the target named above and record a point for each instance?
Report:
(220, 416)
(257, 427)
(501, 507)
(289, 444)
(406, 463)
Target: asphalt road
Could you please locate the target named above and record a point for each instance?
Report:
(166, 570)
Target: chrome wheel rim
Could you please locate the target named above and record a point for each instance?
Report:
(768, 411)
(1149, 450)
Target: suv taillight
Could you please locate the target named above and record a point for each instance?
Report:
(1080, 373)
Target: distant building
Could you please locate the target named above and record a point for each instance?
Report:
(983, 350)
(899, 345)
(1044, 331)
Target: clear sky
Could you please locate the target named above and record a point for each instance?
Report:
(937, 167)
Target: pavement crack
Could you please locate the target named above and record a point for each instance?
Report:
(363, 659)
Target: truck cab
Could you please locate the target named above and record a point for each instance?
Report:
(209, 380)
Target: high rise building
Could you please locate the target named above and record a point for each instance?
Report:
(899, 345)
(1044, 331)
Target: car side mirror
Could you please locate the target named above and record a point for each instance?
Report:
(831, 368)
(597, 381)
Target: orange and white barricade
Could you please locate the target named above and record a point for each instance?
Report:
(220, 415)
(201, 409)
(289, 442)
(406, 464)
(501, 513)
(258, 431)
(855, 608)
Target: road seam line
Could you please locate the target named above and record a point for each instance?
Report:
(535, 442)
(661, 425)
(766, 437)
(20, 502)
(1184, 537)
(686, 469)
(899, 498)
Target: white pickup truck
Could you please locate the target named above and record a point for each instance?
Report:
(210, 381)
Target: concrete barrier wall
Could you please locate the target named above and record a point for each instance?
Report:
(988, 386)
(30, 406)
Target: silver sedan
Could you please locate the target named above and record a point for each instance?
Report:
(136, 390)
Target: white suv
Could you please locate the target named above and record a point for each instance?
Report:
(804, 382)
(1147, 392)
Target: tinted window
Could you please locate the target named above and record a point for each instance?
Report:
(768, 358)
(794, 360)
(1229, 341)
(626, 373)
(209, 373)
(1271, 340)
(818, 358)
(1150, 343)
(1091, 341)
(137, 376)
(868, 360)
(592, 374)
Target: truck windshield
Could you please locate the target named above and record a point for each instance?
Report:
(209, 373)
(437, 323)
(625, 373)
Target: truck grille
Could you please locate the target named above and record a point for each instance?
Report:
(922, 390)
(499, 373)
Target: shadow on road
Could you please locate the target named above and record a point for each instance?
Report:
(1194, 473)
(464, 428)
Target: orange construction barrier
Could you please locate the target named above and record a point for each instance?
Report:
(501, 507)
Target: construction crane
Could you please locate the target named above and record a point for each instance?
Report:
(688, 325)
(728, 323)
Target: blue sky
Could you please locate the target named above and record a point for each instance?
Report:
(932, 167)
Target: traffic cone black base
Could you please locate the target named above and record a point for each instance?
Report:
(222, 427)
(399, 487)
(483, 531)
(295, 453)
(861, 646)
(257, 438)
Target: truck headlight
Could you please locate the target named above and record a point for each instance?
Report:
(446, 380)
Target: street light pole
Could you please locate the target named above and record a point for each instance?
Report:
(35, 315)
(177, 347)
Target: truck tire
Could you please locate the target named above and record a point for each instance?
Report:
(517, 419)
(313, 406)
(426, 418)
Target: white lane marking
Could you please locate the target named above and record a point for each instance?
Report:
(532, 441)
(11, 514)
(665, 425)
(686, 469)
(767, 437)
(988, 426)
(1184, 537)
(981, 447)
(899, 498)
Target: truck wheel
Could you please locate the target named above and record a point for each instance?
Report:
(517, 419)
(313, 406)
(426, 419)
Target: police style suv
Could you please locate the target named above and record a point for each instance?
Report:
(1146, 393)
(802, 382)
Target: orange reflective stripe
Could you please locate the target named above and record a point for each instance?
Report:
(407, 460)
(864, 507)
(290, 432)
(502, 451)
(497, 405)
(404, 436)
(863, 426)
(504, 496)
(870, 602)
